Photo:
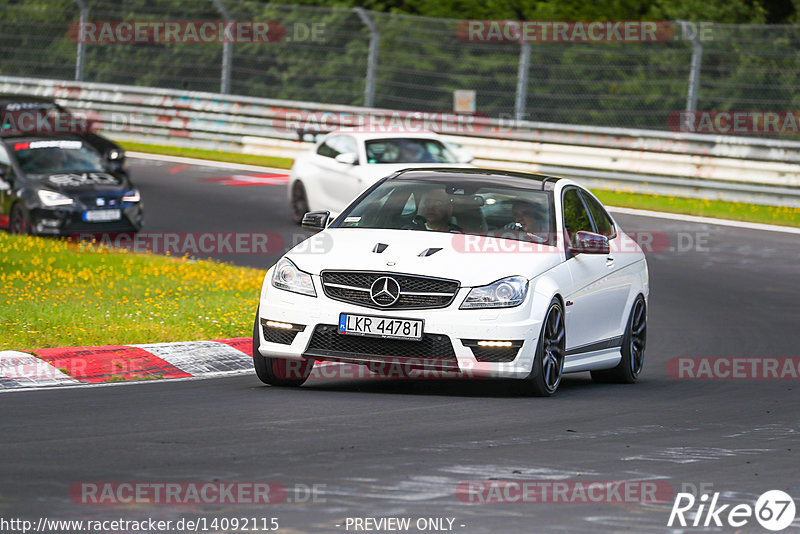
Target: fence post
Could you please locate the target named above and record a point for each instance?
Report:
(80, 60)
(227, 51)
(522, 81)
(694, 69)
(372, 59)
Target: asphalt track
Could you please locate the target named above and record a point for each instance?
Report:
(400, 448)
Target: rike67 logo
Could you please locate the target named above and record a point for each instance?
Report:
(774, 510)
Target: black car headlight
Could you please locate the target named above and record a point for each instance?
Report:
(132, 196)
(53, 199)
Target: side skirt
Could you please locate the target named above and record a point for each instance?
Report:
(603, 354)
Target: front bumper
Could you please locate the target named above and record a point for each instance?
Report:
(449, 341)
(69, 221)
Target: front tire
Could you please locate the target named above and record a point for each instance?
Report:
(299, 202)
(548, 363)
(20, 220)
(278, 371)
(633, 345)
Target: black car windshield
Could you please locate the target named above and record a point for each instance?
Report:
(471, 207)
(402, 150)
(48, 157)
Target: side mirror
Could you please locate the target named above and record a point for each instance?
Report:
(5, 184)
(115, 159)
(589, 243)
(315, 220)
(463, 156)
(347, 158)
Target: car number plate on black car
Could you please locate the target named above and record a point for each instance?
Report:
(102, 215)
(384, 327)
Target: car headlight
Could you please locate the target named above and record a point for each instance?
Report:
(51, 198)
(132, 196)
(288, 277)
(505, 293)
(115, 154)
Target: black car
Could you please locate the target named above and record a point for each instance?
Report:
(61, 185)
(34, 115)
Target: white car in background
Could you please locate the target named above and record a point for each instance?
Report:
(344, 163)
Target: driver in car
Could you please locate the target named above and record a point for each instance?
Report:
(435, 211)
(411, 152)
(526, 217)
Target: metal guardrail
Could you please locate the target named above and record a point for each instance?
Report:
(764, 171)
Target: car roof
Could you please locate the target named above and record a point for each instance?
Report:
(11, 98)
(510, 178)
(365, 136)
(27, 138)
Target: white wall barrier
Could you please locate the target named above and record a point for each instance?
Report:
(753, 169)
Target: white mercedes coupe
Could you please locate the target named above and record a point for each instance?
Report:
(470, 272)
(345, 162)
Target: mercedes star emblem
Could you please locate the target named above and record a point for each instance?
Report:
(384, 291)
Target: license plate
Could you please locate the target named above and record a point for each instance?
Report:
(385, 327)
(102, 215)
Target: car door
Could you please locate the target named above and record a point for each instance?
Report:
(618, 279)
(587, 306)
(338, 181)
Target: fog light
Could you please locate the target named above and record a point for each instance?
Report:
(276, 324)
(47, 226)
(493, 351)
(495, 344)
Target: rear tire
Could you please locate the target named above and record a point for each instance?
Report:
(548, 363)
(633, 345)
(299, 202)
(278, 371)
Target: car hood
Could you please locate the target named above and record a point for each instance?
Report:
(472, 260)
(84, 183)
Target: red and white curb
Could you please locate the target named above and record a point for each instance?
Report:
(70, 366)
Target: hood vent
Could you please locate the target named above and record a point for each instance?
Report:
(428, 252)
(379, 247)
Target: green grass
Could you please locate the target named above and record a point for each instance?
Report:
(57, 293)
(228, 157)
(705, 208)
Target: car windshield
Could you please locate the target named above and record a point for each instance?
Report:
(402, 150)
(48, 157)
(470, 207)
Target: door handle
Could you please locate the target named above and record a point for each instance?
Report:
(609, 261)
